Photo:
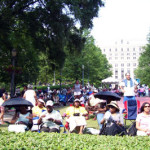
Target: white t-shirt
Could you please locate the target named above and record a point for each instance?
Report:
(94, 101)
(129, 91)
(29, 95)
(55, 115)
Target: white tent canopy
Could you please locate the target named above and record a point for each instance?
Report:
(110, 80)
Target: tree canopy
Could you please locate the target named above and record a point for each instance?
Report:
(33, 27)
(142, 72)
(96, 66)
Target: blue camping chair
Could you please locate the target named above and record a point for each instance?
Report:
(131, 110)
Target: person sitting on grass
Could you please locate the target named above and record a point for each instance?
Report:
(112, 120)
(143, 120)
(23, 118)
(76, 117)
(50, 118)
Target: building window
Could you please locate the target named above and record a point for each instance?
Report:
(128, 70)
(116, 65)
(110, 54)
(110, 49)
(116, 49)
(122, 58)
(122, 49)
(134, 54)
(116, 58)
(122, 54)
(104, 50)
(116, 77)
(116, 54)
(128, 49)
(116, 72)
(128, 64)
(128, 58)
(134, 64)
(133, 49)
(134, 57)
(122, 65)
(128, 54)
(110, 58)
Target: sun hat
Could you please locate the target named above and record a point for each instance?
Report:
(76, 100)
(49, 103)
(114, 103)
(42, 101)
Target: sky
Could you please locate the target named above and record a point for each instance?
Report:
(122, 20)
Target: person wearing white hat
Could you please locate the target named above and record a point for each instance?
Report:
(51, 119)
(37, 110)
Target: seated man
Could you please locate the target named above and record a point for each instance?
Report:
(51, 119)
(75, 115)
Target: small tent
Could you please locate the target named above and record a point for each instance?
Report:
(110, 80)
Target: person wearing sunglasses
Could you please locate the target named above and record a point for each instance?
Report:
(112, 120)
(143, 120)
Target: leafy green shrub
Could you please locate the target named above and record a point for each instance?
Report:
(36, 141)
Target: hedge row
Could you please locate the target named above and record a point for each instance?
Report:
(36, 141)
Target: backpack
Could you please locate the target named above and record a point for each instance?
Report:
(132, 131)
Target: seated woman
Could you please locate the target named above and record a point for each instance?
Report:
(50, 118)
(23, 118)
(37, 110)
(113, 120)
(75, 115)
(143, 120)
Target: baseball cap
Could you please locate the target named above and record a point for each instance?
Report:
(49, 103)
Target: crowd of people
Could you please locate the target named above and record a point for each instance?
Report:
(81, 103)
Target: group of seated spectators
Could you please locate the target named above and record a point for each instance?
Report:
(49, 120)
(108, 114)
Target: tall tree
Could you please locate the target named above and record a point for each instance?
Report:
(142, 72)
(49, 24)
(96, 66)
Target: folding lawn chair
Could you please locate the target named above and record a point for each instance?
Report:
(131, 110)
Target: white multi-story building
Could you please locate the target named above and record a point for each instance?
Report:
(123, 56)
